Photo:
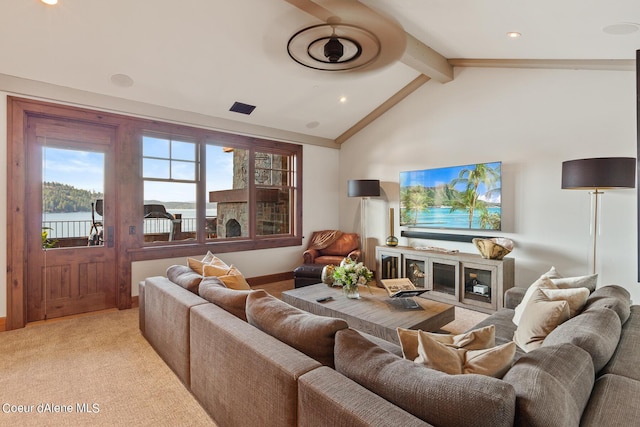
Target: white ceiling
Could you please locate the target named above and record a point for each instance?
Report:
(202, 55)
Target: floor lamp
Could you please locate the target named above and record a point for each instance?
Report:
(598, 174)
(363, 188)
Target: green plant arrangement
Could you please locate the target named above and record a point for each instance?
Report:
(351, 274)
(46, 242)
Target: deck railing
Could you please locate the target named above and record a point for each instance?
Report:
(82, 228)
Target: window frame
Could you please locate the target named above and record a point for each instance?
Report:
(203, 138)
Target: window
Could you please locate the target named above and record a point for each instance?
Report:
(170, 172)
(198, 189)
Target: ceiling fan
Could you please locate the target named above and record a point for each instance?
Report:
(354, 37)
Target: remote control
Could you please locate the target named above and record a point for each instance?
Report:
(324, 299)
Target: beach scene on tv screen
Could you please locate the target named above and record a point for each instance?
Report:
(456, 197)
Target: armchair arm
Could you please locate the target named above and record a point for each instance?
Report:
(354, 255)
(310, 255)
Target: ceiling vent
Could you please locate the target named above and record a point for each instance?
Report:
(239, 107)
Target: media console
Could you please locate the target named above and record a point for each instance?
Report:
(461, 279)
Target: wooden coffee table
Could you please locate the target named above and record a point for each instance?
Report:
(374, 313)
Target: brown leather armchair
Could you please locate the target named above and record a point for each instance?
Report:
(331, 247)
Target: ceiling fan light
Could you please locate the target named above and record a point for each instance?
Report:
(333, 50)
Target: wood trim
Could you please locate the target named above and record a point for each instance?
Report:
(3, 321)
(129, 192)
(270, 278)
(552, 64)
(135, 302)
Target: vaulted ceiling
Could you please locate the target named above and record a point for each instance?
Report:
(201, 56)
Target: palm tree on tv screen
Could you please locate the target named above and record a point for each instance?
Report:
(415, 199)
(469, 199)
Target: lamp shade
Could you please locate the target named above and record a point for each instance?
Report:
(602, 172)
(363, 188)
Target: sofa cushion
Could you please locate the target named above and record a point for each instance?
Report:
(213, 290)
(185, 277)
(552, 386)
(475, 339)
(539, 318)
(613, 403)
(492, 361)
(311, 334)
(595, 331)
(625, 359)
(433, 396)
(614, 297)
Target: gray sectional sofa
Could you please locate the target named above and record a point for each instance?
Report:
(241, 357)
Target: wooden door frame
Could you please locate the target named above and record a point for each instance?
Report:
(18, 111)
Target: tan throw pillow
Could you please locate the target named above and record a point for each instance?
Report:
(311, 334)
(214, 270)
(539, 318)
(184, 276)
(493, 362)
(576, 297)
(235, 280)
(209, 259)
(477, 339)
(542, 282)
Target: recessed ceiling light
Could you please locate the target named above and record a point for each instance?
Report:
(49, 2)
(621, 29)
(513, 34)
(343, 99)
(312, 125)
(122, 80)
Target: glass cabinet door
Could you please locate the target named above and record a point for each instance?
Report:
(415, 269)
(443, 278)
(479, 285)
(389, 265)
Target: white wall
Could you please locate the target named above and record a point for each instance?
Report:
(532, 121)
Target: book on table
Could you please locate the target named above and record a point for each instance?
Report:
(401, 288)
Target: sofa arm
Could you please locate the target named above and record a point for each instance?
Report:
(513, 297)
(328, 398)
(354, 255)
(310, 255)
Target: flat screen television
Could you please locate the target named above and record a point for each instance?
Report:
(456, 197)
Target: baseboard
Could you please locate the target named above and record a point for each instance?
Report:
(3, 323)
(263, 280)
(134, 302)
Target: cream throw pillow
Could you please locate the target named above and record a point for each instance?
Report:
(542, 282)
(576, 297)
(494, 362)
(539, 318)
(589, 281)
(477, 339)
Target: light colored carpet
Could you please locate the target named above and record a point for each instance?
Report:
(99, 361)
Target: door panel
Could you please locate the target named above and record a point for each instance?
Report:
(68, 163)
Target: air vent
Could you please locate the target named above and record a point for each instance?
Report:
(239, 107)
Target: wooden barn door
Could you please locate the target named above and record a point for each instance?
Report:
(71, 261)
